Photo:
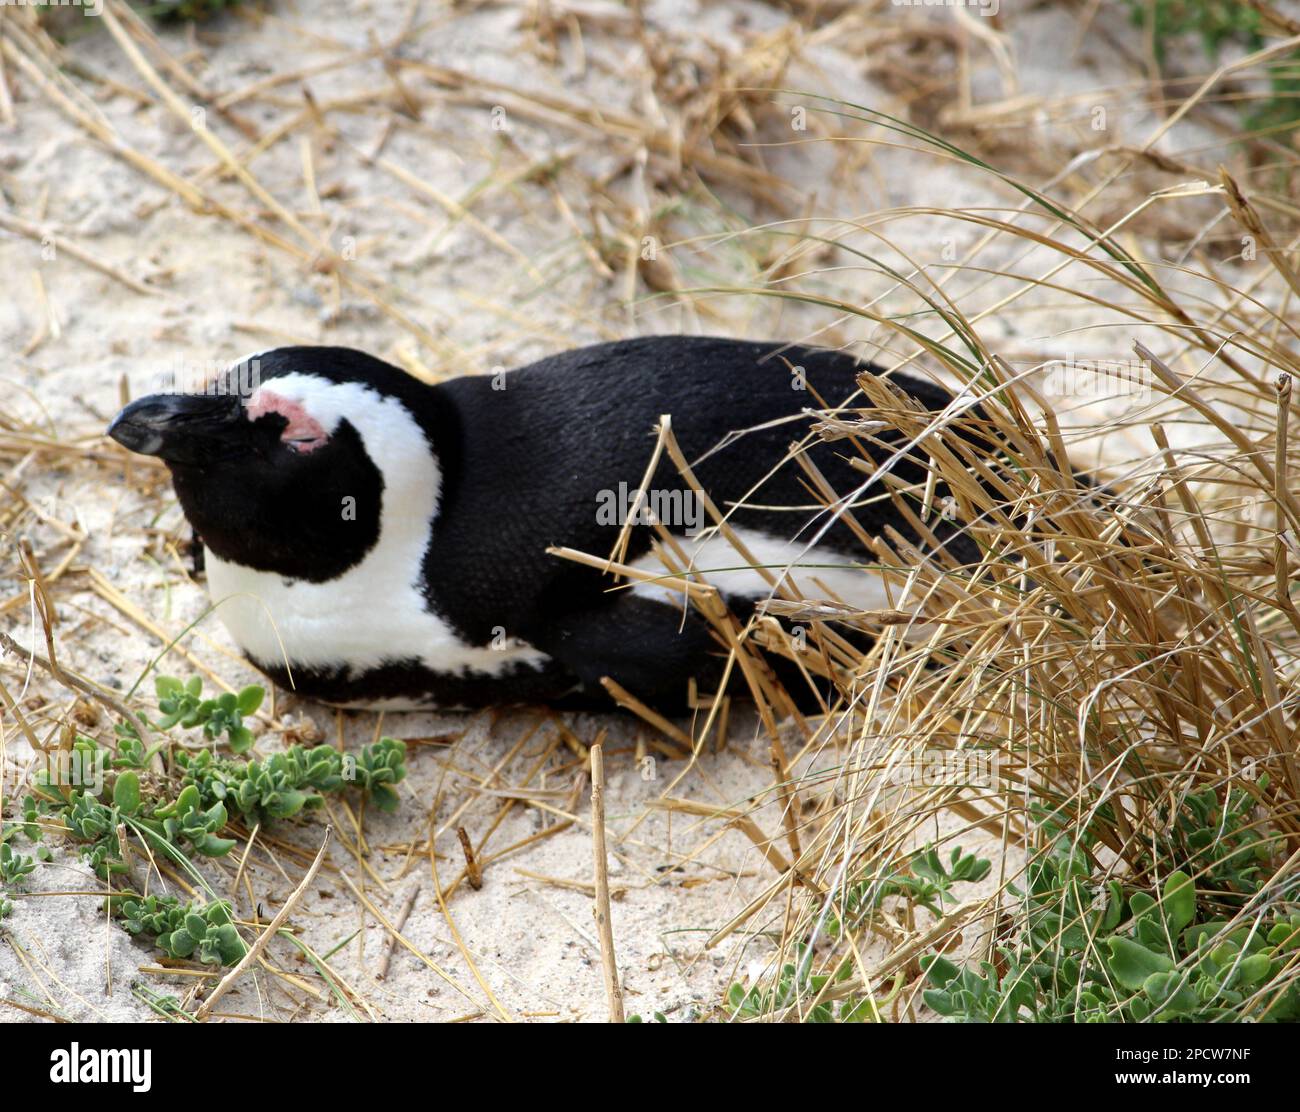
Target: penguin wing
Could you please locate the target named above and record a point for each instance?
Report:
(646, 646)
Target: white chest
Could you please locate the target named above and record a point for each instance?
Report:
(369, 616)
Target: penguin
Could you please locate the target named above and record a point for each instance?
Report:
(374, 541)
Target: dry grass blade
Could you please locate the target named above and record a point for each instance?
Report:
(600, 909)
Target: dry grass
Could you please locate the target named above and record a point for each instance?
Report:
(1115, 656)
(1116, 652)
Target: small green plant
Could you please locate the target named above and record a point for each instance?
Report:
(183, 704)
(14, 869)
(131, 752)
(1216, 841)
(181, 930)
(186, 820)
(925, 881)
(797, 983)
(1088, 951)
(269, 789)
(13, 865)
(1217, 23)
(211, 787)
(288, 782)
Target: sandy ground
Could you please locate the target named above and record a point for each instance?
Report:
(513, 281)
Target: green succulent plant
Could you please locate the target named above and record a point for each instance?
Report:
(182, 704)
(185, 819)
(13, 865)
(1088, 950)
(14, 870)
(211, 788)
(183, 930)
(288, 782)
(925, 881)
(797, 983)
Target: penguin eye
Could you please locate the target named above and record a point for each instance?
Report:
(302, 433)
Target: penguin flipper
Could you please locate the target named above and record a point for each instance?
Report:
(644, 646)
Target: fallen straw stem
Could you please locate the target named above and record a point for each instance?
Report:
(613, 991)
(472, 871)
(255, 950)
(77, 683)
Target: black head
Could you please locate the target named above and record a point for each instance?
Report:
(286, 461)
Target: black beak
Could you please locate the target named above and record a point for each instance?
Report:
(179, 428)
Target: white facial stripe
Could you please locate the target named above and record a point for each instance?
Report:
(374, 612)
(391, 436)
(327, 402)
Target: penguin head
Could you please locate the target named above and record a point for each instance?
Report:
(288, 461)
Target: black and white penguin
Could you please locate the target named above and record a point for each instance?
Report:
(373, 540)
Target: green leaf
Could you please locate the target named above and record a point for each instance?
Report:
(1141, 904)
(1170, 992)
(939, 970)
(181, 943)
(189, 800)
(211, 846)
(286, 804)
(1131, 964)
(1284, 935)
(385, 798)
(250, 698)
(1194, 936)
(1253, 970)
(942, 1002)
(229, 945)
(1179, 901)
(240, 738)
(1225, 953)
(1114, 907)
(126, 793)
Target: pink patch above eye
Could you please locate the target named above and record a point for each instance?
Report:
(303, 432)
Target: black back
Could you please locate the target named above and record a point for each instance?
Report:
(525, 466)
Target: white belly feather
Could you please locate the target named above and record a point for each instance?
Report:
(360, 621)
(725, 568)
